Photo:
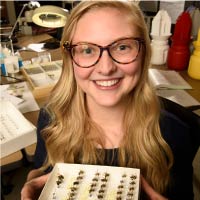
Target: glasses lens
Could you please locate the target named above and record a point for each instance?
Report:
(124, 51)
(85, 55)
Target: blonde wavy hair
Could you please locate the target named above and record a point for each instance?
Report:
(68, 138)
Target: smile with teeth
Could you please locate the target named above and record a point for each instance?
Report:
(107, 83)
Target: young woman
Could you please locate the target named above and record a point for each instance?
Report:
(103, 109)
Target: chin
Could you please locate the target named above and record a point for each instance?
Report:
(107, 103)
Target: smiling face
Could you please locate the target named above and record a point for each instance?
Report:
(107, 83)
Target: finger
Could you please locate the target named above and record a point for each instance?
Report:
(146, 187)
(33, 188)
(152, 194)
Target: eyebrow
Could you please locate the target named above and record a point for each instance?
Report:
(115, 40)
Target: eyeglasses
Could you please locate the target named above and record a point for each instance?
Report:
(122, 51)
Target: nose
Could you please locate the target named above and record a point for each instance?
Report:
(106, 65)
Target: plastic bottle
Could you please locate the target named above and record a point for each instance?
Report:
(19, 59)
(2, 56)
(3, 69)
(159, 49)
(160, 32)
(179, 52)
(194, 64)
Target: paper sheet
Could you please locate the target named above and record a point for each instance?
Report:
(20, 95)
(36, 47)
(179, 96)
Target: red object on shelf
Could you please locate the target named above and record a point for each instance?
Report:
(179, 53)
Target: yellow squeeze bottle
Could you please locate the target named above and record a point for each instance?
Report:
(194, 64)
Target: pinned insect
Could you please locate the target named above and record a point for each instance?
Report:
(119, 192)
(103, 185)
(131, 188)
(133, 177)
(95, 179)
(124, 176)
(81, 172)
(54, 195)
(107, 175)
(91, 190)
(94, 183)
(73, 189)
(76, 183)
(130, 194)
(101, 191)
(120, 187)
(100, 196)
(60, 179)
(132, 183)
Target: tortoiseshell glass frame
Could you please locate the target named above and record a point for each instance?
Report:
(69, 47)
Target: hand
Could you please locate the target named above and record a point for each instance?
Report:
(33, 188)
(150, 192)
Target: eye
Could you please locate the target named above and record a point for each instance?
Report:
(86, 49)
(122, 47)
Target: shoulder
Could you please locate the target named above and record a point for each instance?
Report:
(175, 132)
(44, 120)
(167, 118)
(171, 122)
(178, 136)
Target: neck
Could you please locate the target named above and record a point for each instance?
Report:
(110, 120)
(106, 115)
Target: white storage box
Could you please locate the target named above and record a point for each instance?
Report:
(16, 131)
(91, 182)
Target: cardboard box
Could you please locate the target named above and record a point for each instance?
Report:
(42, 77)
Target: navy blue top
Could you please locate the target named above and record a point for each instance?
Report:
(176, 134)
